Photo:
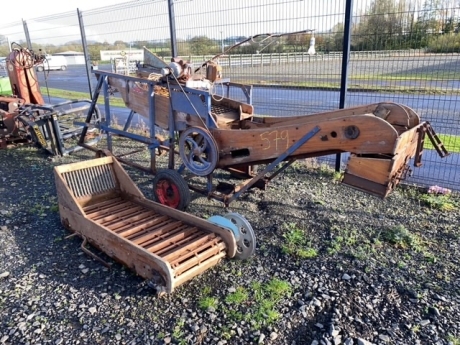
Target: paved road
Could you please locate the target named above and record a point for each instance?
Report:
(441, 111)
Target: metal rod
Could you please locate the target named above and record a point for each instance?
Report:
(94, 256)
(345, 61)
(273, 164)
(91, 109)
(152, 116)
(26, 32)
(128, 121)
(108, 118)
(172, 28)
(85, 51)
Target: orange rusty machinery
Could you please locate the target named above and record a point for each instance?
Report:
(24, 83)
(24, 116)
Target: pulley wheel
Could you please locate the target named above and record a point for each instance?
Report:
(198, 150)
(170, 189)
(245, 238)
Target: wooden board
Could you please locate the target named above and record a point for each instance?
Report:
(246, 146)
(150, 238)
(378, 170)
(136, 97)
(394, 113)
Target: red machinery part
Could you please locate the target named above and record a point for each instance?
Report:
(9, 130)
(24, 82)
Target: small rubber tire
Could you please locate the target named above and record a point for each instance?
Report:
(40, 69)
(170, 189)
(63, 68)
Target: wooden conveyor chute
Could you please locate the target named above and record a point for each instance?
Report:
(99, 202)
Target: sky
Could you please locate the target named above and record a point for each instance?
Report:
(147, 20)
(30, 9)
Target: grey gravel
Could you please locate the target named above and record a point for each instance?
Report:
(346, 277)
(362, 287)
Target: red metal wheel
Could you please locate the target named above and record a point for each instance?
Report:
(170, 189)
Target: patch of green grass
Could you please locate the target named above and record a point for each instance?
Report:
(208, 302)
(427, 75)
(237, 297)
(266, 297)
(54, 208)
(450, 142)
(297, 244)
(277, 289)
(344, 239)
(335, 245)
(442, 202)
(257, 305)
(206, 290)
(178, 331)
(66, 94)
(453, 339)
(402, 238)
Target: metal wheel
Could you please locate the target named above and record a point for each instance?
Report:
(198, 150)
(170, 189)
(245, 237)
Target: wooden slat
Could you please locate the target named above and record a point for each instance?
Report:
(156, 232)
(191, 220)
(201, 259)
(373, 169)
(183, 276)
(160, 241)
(136, 222)
(83, 165)
(189, 242)
(124, 218)
(141, 228)
(100, 206)
(111, 210)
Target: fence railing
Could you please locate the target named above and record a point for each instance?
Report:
(428, 83)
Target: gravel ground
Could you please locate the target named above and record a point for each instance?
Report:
(333, 266)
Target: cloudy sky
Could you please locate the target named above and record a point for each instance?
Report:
(33, 9)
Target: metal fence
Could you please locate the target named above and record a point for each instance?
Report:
(400, 51)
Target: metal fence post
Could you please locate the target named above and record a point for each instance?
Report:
(345, 59)
(172, 28)
(86, 52)
(26, 32)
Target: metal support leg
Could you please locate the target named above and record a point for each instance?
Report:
(273, 164)
(128, 121)
(108, 117)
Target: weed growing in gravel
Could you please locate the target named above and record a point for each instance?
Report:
(402, 238)
(297, 244)
(207, 290)
(178, 331)
(266, 297)
(439, 202)
(453, 340)
(258, 305)
(208, 302)
(237, 297)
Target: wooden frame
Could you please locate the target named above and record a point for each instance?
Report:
(99, 202)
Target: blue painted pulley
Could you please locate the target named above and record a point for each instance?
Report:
(198, 150)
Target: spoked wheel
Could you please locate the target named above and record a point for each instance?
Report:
(198, 150)
(170, 189)
(245, 237)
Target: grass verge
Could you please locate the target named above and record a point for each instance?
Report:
(65, 94)
(451, 143)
